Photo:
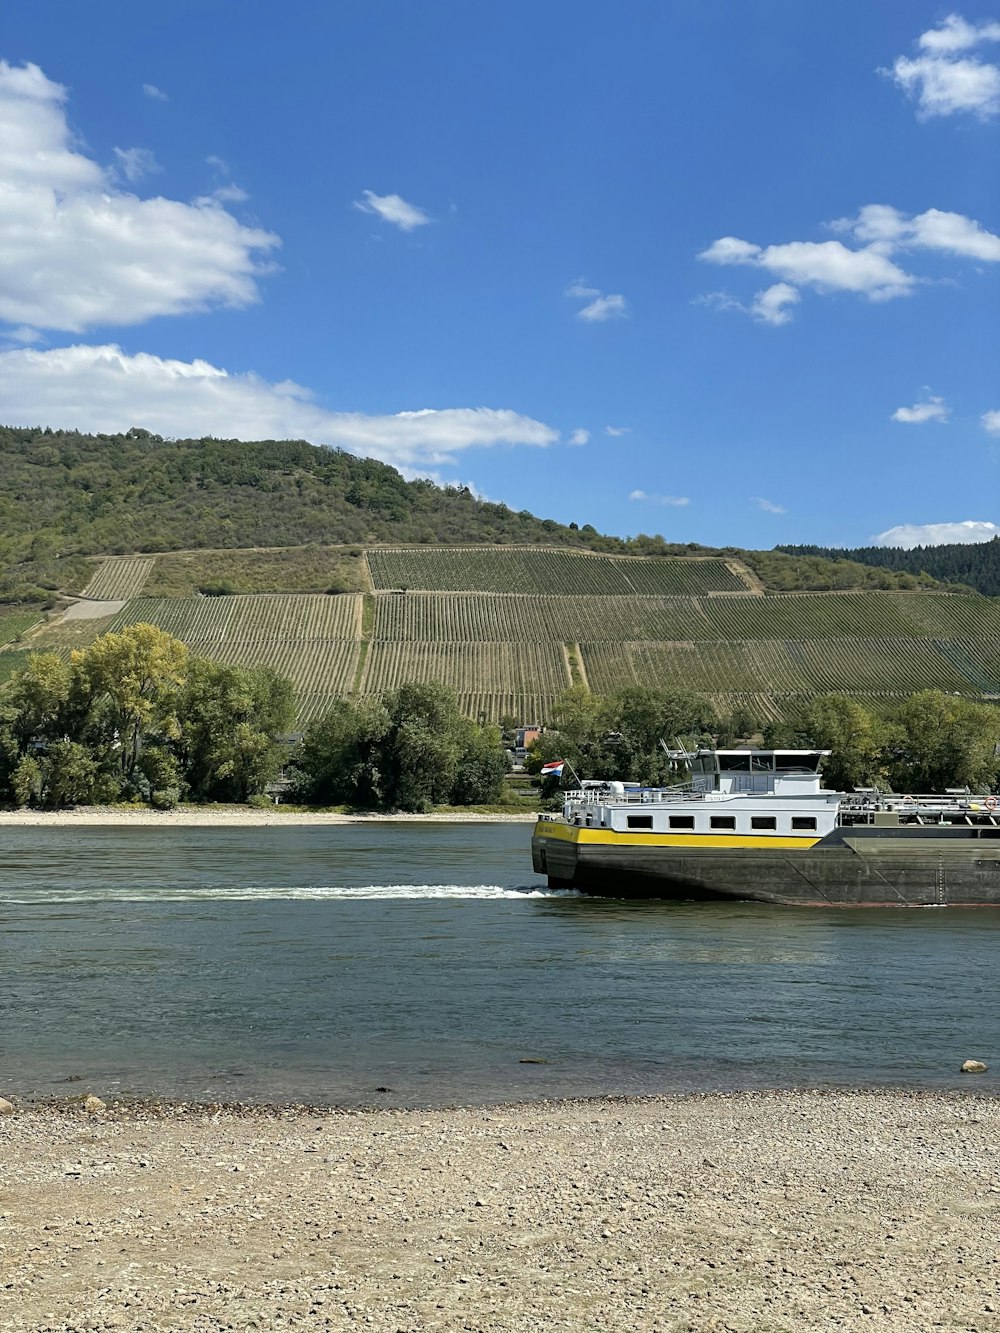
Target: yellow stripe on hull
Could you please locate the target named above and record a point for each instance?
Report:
(603, 837)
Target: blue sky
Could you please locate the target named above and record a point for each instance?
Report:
(725, 271)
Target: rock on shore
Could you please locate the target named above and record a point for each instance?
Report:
(716, 1214)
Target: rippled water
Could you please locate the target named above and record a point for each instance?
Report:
(331, 963)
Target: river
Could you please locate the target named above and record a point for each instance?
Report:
(417, 964)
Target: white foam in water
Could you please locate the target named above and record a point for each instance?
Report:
(242, 893)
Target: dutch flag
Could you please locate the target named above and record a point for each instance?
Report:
(553, 769)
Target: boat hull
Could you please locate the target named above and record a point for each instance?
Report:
(853, 867)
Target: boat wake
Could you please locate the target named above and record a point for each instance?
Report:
(284, 893)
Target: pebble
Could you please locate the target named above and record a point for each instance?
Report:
(714, 1213)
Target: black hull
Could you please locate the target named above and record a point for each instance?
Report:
(859, 867)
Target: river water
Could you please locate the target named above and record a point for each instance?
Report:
(424, 964)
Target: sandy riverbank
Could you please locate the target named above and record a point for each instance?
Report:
(232, 815)
(743, 1213)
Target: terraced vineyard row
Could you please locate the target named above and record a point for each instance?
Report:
(854, 666)
(469, 668)
(15, 623)
(313, 666)
(544, 571)
(119, 578)
(437, 617)
(247, 619)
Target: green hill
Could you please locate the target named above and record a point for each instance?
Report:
(66, 497)
(974, 564)
(350, 580)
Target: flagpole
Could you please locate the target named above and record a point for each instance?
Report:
(579, 780)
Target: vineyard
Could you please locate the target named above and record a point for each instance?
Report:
(546, 571)
(15, 623)
(796, 666)
(467, 617)
(249, 619)
(510, 628)
(469, 668)
(118, 579)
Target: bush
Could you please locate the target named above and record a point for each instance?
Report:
(164, 798)
(260, 802)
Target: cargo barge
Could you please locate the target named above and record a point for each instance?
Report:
(758, 825)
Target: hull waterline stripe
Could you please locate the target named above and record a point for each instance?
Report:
(599, 837)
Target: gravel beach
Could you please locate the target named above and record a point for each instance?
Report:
(758, 1212)
(229, 816)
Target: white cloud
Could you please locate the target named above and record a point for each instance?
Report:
(605, 307)
(730, 250)
(955, 34)
(831, 266)
(931, 409)
(827, 266)
(600, 306)
(24, 334)
(579, 288)
(677, 501)
(768, 506)
(76, 251)
(944, 83)
(579, 437)
(230, 194)
(392, 208)
(908, 535)
(885, 229)
(771, 306)
(991, 422)
(136, 163)
(616, 430)
(103, 389)
(156, 94)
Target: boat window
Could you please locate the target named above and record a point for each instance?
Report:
(734, 763)
(761, 763)
(797, 763)
(723, 821)
(763, 822)
(989, 832)
(804, 822)
(640, 821)
(682, 821)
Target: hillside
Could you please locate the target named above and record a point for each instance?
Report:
(510, 628)
(974, 564)
(351, 580)
(66, 497)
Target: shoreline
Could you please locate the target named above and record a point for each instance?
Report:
(707, 1212)
(138, 1106)
(235, 816)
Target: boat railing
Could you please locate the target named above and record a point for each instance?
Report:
(641, 796)
(920, 808)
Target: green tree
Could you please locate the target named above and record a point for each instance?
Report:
(231, 719)
(339, 762)
(945, 741)
(131, 686)
(859, 740)
(69, 774)
(410, 752)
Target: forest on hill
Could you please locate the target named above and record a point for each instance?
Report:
(66, 496)
(974, 564)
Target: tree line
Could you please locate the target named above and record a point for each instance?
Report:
(964, 564)
(136, 716)
(924, 743)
